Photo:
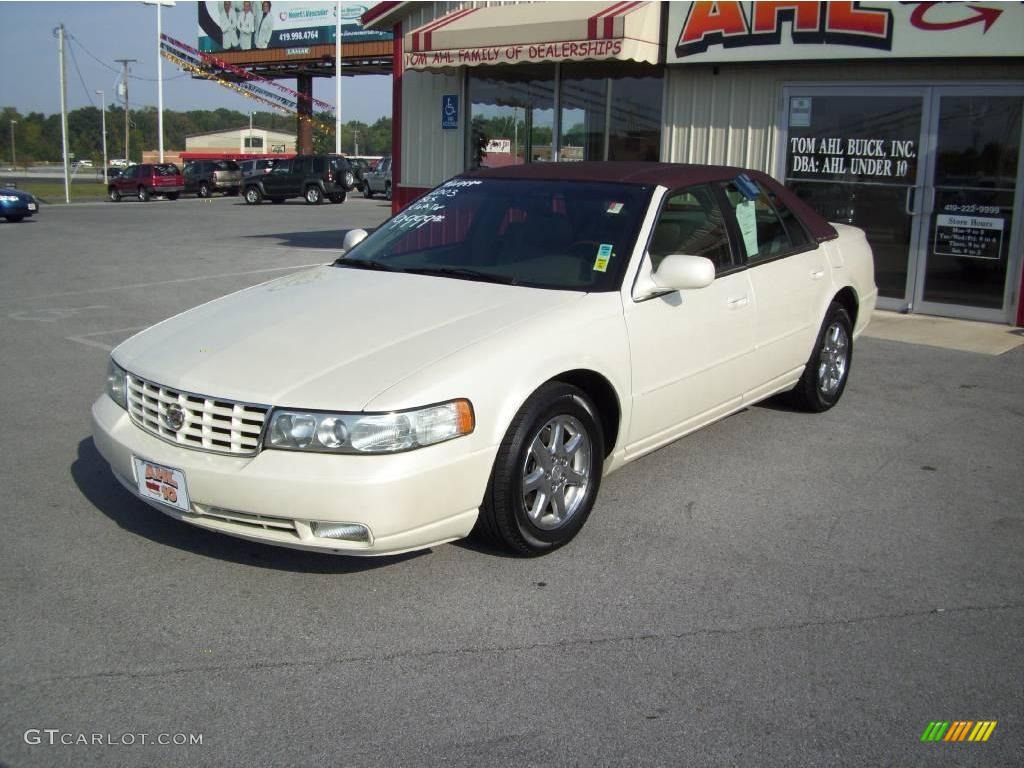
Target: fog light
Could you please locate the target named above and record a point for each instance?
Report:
(345, 531)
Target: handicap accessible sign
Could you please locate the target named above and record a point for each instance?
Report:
(450, 111)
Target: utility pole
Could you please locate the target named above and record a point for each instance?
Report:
(14, 154)
(103, 116)
(337, 79)
(63, 113)
(124, 82)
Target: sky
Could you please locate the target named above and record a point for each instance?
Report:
(109, 30)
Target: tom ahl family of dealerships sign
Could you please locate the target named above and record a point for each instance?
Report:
(713, 32)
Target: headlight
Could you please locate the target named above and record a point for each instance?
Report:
(293, 430)
(117, 387)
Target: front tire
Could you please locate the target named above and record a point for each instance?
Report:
(828, 369)
(314, 196)
(387, 192)
(204, 189)
(253, 195)
(15, 217)
(367, 192)
(114, 195)
(546, 475)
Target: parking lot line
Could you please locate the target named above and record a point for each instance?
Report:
(170, 282)
(84, 338)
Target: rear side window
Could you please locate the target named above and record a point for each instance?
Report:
(226, 165)
(166, 169)
(768, 229)
(319, 165)
(691, 223)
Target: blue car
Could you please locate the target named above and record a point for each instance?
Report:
(15, 205)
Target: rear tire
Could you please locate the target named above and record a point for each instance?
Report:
(143, 194)
(339, 197)
(314, 195)
(253, 196)
(828, 369)
(367, 192)
(114, 195)
(387, 192)
(546, 475)
(204, 189)
(172, 195)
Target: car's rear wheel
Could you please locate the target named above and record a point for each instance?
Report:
(314, 196)
(253, 195)
(367, 192)
(387, 192)
(143, 194)
(826, 373)
(339, 197)
(204, 189)
(172, 195)
(114, 195)
(546, 475)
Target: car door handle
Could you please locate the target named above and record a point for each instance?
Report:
(817, 274)
(736, 303)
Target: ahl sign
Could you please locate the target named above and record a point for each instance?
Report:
(702, 32)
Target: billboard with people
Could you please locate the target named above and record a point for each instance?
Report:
(233, 25)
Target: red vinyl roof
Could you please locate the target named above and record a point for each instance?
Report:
(671, 175)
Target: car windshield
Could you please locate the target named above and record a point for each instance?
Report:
(569, 235)
(168, 169)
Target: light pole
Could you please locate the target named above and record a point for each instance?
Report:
(355, 143)
(14, 154)
(159, 73)
(103, 117)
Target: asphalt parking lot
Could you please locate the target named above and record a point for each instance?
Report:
(779, 589)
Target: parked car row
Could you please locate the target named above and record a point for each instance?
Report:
(314, 177)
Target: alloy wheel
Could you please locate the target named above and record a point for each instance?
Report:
(556, 472)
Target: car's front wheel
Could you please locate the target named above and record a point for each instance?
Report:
(367, 192)
(546, 475)
(825, 375)
(113, 194)
(15, 217)
(204, 189)
(252, 195)
(313, 195)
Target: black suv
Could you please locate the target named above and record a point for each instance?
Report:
(314, 177)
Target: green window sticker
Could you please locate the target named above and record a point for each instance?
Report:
(604, 255)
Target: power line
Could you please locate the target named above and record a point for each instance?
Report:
(81, 79)
(102, 63)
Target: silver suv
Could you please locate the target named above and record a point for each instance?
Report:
(378, 180)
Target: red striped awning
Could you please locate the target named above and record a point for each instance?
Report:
(555, 31)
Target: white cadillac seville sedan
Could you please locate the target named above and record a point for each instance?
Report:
(485, 357)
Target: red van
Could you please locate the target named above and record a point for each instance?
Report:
(148, 179)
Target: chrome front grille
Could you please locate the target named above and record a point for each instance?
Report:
(210, 424)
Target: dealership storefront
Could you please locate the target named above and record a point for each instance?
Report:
(903, 119)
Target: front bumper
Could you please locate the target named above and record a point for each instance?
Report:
(20, 208)
(408, 500)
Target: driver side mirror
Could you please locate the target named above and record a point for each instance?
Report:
(352, 238)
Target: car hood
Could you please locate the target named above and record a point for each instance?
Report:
(327, 338)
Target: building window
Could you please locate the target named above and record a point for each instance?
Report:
(254, 142)
(596, 111)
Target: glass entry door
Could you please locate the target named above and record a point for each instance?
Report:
(971, 259)
(931, 174)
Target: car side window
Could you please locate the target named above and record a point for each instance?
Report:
(768, 229)
(691, 222)
(319, 165)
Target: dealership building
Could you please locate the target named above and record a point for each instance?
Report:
(902, 119)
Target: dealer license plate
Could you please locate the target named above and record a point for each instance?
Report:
(32, 206)
(163, 484)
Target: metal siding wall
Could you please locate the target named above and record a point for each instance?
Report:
(731, 118)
